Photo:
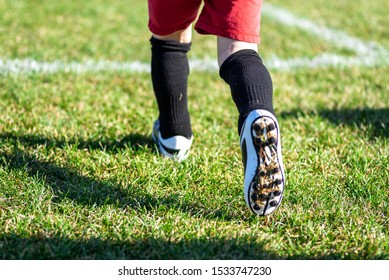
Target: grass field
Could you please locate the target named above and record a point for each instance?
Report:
(80, 177)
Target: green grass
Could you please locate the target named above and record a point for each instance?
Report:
(365, 19)
(80, 177)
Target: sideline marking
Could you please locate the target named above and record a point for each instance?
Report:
(335, 37)
(368, 54)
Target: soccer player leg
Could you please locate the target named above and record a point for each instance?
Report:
(170, 22)
(251, 88)
(169, 72)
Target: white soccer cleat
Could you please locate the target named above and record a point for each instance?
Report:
(175, 147)
(264, 176)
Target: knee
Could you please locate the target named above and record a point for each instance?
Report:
(181, 36)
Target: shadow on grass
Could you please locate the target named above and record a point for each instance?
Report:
(376, 120)
(134, 141)
(17, 247)
(67, 183)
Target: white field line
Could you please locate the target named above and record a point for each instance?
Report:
(336, 37)
(25, 66)
(28, 66)
(368, 54)
(323, 60)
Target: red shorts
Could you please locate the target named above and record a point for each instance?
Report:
(234, 19)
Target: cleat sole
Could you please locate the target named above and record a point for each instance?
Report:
(266, 184)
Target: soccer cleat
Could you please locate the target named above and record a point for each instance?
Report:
(175, 147)
(264, 175)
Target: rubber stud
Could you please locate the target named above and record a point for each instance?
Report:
(271, 127)
(258, 141)
(254, 197)
(257, 207)
(277, 193)
(257, 127)
(273, 203)
(272, 140)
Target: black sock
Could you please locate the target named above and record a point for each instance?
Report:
(169, 73)
(250, 83)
